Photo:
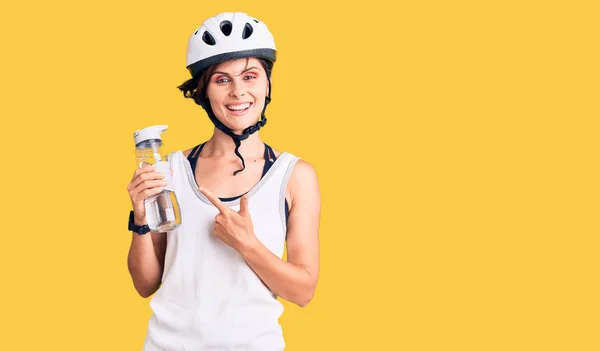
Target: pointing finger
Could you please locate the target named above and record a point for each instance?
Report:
(214, 200)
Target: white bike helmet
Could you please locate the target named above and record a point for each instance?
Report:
(228, 36)
(224, 37)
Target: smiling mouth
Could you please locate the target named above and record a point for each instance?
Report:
(239, 107)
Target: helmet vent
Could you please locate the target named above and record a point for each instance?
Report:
(247, 31)
(226, 27)
(208, 39)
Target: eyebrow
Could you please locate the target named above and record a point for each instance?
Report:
(244, 71)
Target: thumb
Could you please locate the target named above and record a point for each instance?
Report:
(244, 205)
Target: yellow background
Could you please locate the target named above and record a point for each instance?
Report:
(456, 144)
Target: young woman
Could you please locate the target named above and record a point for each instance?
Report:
(216, 278)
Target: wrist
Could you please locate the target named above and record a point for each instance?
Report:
(137, 225)
(139, 220)
(250, 247)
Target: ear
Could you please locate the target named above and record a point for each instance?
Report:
(268, 84)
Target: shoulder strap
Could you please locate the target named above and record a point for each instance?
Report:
(193, 156)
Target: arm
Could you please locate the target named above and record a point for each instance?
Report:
(145, 261)
(296, 279)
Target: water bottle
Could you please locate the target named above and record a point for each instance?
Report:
(162, 210)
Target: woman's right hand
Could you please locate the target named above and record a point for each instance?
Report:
(145, 182)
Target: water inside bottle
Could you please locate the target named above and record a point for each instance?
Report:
(162, 212)
(147, 156)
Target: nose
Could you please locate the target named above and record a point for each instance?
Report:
(236, 90)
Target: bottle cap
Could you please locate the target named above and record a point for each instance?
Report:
(149, 133)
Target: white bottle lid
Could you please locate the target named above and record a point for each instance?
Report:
(149, 133)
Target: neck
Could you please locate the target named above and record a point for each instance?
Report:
(221, 145)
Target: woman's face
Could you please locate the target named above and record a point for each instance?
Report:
(237, 91)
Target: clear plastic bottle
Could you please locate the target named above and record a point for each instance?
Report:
(162, 210)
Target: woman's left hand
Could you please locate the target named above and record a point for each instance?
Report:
(235, 229)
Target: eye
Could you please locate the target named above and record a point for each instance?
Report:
(222, 80)
(249, 77)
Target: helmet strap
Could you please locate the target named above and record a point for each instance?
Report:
(237, 139)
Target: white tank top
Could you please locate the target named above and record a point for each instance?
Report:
(210, 298)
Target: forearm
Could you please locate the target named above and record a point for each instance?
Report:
(143, 264)
(291, 282)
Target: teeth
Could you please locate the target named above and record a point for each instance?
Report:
(238, 107)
